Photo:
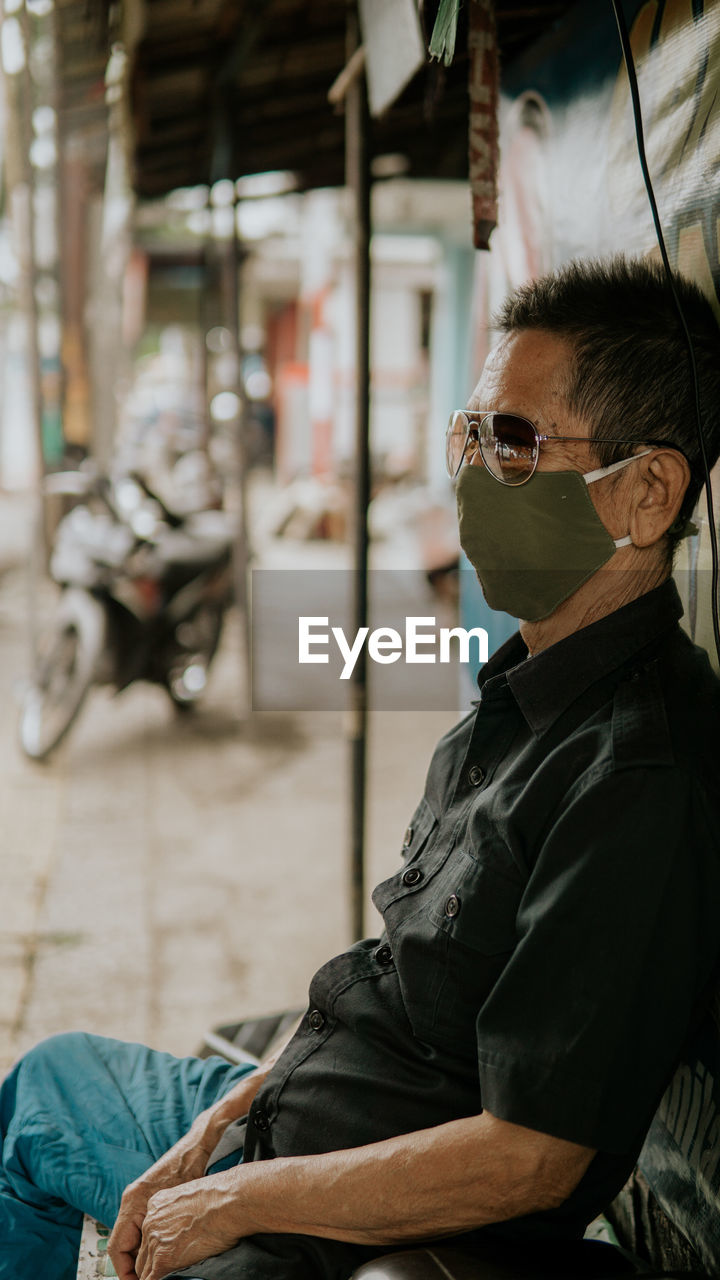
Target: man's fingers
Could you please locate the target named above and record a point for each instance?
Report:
(141, 1262)
(124, 1264)
(123, 1245)
(160, 1264)
(125, 1238)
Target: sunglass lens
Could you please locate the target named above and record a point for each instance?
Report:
(455, 441)
(508, 446)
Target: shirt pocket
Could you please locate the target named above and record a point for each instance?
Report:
(473, 912)
(476, 904)
(417, 848)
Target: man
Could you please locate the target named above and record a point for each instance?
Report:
(491, 1063)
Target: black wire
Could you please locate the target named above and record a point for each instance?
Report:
(640, 137)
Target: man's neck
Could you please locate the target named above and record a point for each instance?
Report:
(604, 593)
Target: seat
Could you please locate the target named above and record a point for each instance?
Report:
(504, 1260)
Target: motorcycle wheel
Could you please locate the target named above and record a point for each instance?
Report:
(65, 670)
(186, 680)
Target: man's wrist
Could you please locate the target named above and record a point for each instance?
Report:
(206, 1131)
(210, 1125)
(232, 1194)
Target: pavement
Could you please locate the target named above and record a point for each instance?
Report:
(162, 874)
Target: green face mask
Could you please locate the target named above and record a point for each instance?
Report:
(533, 545)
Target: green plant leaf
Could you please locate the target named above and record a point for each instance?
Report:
(444, 34)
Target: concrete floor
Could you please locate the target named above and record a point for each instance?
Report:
(161, 875)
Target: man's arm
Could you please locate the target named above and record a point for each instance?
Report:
(422, 1185)
(185, 1161)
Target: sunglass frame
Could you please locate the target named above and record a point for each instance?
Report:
(475, 419)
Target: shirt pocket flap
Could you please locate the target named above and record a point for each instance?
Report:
(420, 828)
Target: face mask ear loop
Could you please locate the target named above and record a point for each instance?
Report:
(591, 476)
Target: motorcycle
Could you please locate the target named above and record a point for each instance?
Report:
(144, 592)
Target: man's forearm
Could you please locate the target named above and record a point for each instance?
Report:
(435, 1182)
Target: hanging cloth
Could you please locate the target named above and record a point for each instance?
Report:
(484, 90)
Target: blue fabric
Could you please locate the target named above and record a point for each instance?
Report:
(81, 1116)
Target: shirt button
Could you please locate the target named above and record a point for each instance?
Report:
(261, 1121)
(452, 906)
(413, 875)
(407, 838)
(476, 776)
(383, 955)
(317, 1020)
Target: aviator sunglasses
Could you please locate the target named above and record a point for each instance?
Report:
(508, 444)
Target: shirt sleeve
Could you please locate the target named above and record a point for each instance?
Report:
(580, 1033)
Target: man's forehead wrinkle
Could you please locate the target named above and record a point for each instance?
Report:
(492, 390)
(526, 377)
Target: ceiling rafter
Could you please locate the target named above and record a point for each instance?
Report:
(241, 86)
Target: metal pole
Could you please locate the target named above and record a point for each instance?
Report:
(358, 180)
(242, 550)
(25, 227)
(230, 257)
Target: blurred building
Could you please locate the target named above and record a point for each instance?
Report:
(175, 164)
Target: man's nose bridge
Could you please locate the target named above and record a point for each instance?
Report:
(475, 458)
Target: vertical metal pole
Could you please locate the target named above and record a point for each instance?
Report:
(230, 287)
(205, 323)
(26, 215)
(358, 180)
(242, 552)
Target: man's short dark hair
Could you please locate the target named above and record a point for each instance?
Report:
(631, 373)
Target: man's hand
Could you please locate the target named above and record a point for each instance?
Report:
(183, 1163)
(182, 1226)
(126, 1237)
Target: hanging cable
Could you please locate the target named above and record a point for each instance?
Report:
(640, 139)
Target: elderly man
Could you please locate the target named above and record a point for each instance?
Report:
(492, 1061)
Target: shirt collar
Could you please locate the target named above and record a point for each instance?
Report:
(546, 685)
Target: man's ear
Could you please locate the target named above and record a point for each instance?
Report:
(657, 495)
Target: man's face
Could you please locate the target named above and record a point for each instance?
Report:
(526, 374)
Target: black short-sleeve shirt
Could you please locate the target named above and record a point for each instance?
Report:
(552, 922)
